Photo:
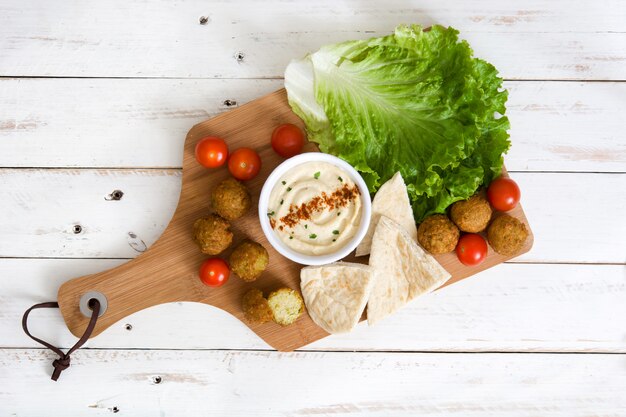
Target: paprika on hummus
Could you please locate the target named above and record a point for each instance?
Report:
(315, 208)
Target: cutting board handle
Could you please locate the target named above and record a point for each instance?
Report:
(168, 270)
(143, 282)
(162, 274)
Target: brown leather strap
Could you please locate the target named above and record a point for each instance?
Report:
(63, 361)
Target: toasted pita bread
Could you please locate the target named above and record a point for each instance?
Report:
(335, 295)
(392, 201)
(402, 270)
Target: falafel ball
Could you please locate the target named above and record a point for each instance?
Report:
(507, 235)
(231, 199)
(249, 260)
(212, 234)
(286, 305)
(471, 215)
(437, 234)
(255, 307)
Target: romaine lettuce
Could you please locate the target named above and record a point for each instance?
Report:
(416, 102)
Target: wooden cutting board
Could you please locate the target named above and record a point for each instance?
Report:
(168, 270)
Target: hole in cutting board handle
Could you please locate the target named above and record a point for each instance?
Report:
(86, 302)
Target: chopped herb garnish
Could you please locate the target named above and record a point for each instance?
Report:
(338, 213)
(335, 232)
(334, 240)
(271, 213)
(340, 179)
(312, 236)
(288, 189)
(306, 226)
(316, 175)
(284, 182)
(290, 237)
(281, 202)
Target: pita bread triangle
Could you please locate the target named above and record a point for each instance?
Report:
(402, 270)
(392, 201)
(335, 295)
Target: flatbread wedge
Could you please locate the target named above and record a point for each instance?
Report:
(392, 201)
(402, 270)
(335, 295)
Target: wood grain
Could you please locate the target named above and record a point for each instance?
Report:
(64, 199)
(497, 310)
(554, 125)
(168, 271)
(129, 123)
(217, 383)
(41, 206)
(570, 40)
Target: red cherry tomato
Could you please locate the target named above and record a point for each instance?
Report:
(244, 164)
(214, 272)
(211, 152)
(503, 194)
(471, 249)
(287, 140)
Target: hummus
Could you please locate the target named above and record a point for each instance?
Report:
(315, 208)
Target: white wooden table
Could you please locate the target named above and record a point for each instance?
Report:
(97, 96)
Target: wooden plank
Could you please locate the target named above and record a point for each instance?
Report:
(142, 123)
(498, 310)
(575, 217)
(115, 123)
(566, 126)
(237, 383)
(63, 198)
(539, 40)
(48, 204)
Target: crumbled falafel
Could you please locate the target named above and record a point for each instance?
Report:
(437, 234)
(507, 235)
(255, 307)
(231, 199)
(212, 234)
(286, 304)
(471, 215)
(249, 260)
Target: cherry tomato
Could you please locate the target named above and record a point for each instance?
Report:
(287, 140)
(211, 152)
(214, 272)
(503, 194)
(471, 249)
(244, 164)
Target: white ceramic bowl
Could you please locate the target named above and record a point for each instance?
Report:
(286, 251)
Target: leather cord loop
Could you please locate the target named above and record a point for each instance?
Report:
(63, 361)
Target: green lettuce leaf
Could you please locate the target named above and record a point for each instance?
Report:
(416, 102)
